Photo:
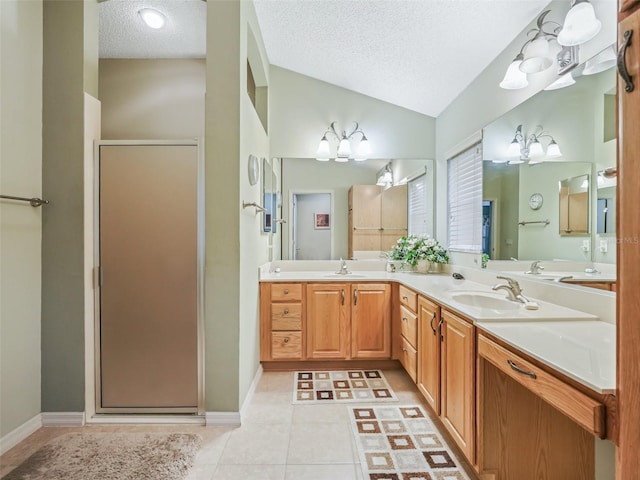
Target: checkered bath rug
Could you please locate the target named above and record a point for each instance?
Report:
(341, 386)
(401, 443)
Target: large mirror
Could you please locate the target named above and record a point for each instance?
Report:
(315, 203)
(524, 212)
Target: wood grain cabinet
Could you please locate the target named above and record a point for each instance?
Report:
(409, 331)
(458, 381)
(429, 341)
(371, 321)
(281, 320)
(328, 320)
(346, 321)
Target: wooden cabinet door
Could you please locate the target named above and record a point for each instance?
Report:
(328, 308)
(364, 210)
(628, 231)
(429, 352)
(458, 382)
(371, 320)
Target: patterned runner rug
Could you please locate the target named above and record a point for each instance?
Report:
(111, 456)
(401, 443)
(341, 386)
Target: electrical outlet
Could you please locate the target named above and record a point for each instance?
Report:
(586, 245)
(604, 246)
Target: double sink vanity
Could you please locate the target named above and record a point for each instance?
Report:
(522, 387)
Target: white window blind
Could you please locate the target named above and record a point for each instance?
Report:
(417, 206)
(464, 180)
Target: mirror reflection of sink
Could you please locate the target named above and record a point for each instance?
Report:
(490, 300)
(346, 276)
(549, 276)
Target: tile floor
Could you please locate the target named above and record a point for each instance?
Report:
(277, 440)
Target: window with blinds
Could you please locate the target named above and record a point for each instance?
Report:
(464, 180)
(417, 206)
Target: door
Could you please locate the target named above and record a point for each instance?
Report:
(148, 299)
(328, 309)
(371, 320)
(429, 352)
(628, 233)
(312, 226)
(458, 392)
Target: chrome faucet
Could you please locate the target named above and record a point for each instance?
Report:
(512, 287)
(535, 268)
(343, 270)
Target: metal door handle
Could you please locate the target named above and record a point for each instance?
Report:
(431, 323)
(342, 296)
(622, 62)
(520, 370)
(355, 297)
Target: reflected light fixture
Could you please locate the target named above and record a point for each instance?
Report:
(537, 53)
(529, 149)
(601, 62)
(153, 18)
(565, 80)
(580, 24)
(343, 153)
(385, 176)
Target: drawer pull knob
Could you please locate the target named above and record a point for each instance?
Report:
(286, 292)
(286, 311)
(404, 319)
(405, 297)
(286, 340)
(520, 370)
(404, 350)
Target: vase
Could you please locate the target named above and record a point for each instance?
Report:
(426, 266)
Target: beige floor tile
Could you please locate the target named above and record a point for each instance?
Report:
(322, 472)
(249, 472)
(201, 472)
(257, 444)
(214, 440)
(272, 398)
(267, 413)
(275, 382)
(320, 443)
(320, 413)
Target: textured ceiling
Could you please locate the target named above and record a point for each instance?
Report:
(123, 34)
(418, 54)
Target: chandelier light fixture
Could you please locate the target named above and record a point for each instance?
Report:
(580, 24)
(344, 152)
(550, 43)
(529, 149)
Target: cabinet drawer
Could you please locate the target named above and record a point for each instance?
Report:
(409, 326)
(408, 298)
(286, 316)
(409, 359)
(284, 292)
(585, 411)
(286, 345)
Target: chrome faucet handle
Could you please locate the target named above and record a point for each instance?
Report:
(513, 284)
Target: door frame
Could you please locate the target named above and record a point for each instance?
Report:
(92, 329)
(293, 220)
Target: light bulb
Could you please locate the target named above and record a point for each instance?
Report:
(514, 149)
(344, 149)
(323, 153)
(364, 149)
(514, 79)
(153, 18)
(535, 149)
(553, 150)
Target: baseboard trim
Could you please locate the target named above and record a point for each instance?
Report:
(18, 434)
(133, 419)
(251, 392)
(62, 419)
(213, 419)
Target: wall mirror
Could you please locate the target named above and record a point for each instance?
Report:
(573, 200)
(306, 176)
(581, 120)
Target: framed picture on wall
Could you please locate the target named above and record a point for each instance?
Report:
(321, 221)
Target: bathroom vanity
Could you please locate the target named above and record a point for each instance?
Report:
(518, 390)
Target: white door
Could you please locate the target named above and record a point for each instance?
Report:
(312, 225)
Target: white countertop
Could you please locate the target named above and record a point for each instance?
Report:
(575, 343)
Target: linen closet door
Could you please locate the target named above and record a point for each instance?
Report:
(149, 278)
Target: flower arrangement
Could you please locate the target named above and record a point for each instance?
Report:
(412, 248)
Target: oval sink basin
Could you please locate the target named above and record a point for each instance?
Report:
(493, 301)
(346, 276)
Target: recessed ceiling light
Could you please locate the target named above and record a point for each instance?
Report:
(153, 18)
